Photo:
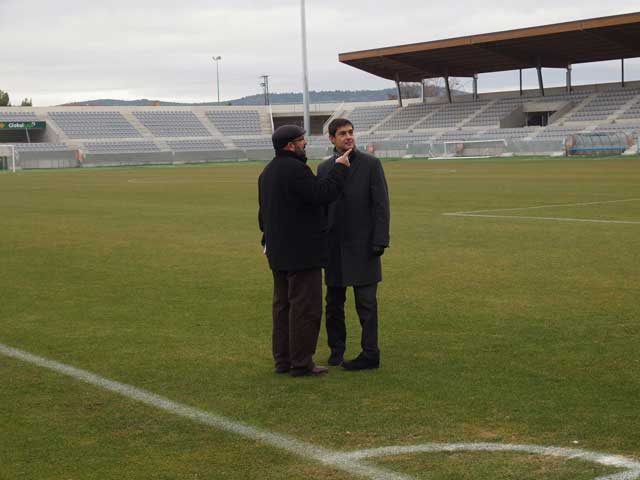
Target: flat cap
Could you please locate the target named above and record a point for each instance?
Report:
(285, 134)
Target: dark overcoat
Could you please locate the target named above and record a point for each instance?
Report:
(291, 211)
(358, 219)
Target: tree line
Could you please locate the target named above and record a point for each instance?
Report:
(6, 102)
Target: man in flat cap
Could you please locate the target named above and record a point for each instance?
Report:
(291, 217)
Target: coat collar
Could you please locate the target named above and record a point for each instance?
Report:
(354, 159)
(288, 154)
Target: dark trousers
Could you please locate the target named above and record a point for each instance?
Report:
(367, 308)
(297, 312)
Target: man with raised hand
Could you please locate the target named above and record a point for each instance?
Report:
(291, 216)
(358, 237)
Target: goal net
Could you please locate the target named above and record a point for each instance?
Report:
(7, 157)
(469, 148)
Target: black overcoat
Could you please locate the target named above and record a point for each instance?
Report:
(358, 219)
(291, 211)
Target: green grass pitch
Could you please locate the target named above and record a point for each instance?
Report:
(492, 329)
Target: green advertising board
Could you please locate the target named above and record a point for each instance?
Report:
(13, 125)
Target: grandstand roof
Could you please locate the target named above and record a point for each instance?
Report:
(550, 46)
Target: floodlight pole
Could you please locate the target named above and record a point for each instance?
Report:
(305, 72)
(265, 88)
(217, 59)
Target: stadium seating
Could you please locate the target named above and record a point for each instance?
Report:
(19, 116)
(365, 118)
(94, 125)
(633, 128)
(253, 143)
(633, 112)
(121, 147)
(403, 118)
(452, 114)
(188, 134)
(558, 132)
(172, 123)
(508, 133)
(601, 106)
(204, 145)
(41, 147)
(236, 122)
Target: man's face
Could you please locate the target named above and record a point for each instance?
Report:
(343, 140)
(299, 147)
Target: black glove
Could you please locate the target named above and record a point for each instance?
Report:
(377, 250)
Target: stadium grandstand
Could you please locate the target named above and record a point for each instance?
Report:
(523, 121)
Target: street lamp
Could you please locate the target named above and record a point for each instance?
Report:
(217, 60)
(305, 70)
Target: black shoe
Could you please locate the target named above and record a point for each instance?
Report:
(361, 363)
(282, 369)
(336, 358)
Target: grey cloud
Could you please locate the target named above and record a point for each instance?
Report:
(74, 50)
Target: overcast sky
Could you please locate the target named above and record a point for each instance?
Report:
(57, 51)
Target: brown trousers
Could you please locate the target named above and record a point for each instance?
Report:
(297, 313)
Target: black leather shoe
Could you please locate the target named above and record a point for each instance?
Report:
(361, 363)
(336, 358)
(282, 369)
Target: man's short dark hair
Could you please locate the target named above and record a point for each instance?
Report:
(336, 123)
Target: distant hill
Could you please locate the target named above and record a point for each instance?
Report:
(335, 96)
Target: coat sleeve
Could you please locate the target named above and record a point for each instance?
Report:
(380, 200)
(318, 191)
(260, 217)
(323, 168)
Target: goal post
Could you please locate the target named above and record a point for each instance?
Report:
(459, 148)
(468, 148)
(7, 157)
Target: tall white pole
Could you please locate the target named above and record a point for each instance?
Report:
(305, 73)
(217, 59)
(218, 80)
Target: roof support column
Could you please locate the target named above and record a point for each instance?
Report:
(520, 82)
(540, 82)
(475, 86)
(622, 68)
(446, 85)
(423, 91)
(569, 87)
(398, 90)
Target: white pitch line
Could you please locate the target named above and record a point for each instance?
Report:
(351, 462)
(558, 219)
(485, 213)
(603, 202)
(632, 467)
(305, 450)
(181, 181)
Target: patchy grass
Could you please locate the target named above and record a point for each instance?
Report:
(491, 329)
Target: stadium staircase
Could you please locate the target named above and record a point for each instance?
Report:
(477, 114)
(144, 131)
